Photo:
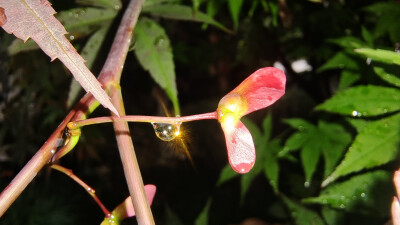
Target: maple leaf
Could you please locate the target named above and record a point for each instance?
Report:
(35, 19)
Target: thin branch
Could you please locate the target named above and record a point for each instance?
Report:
(88, 189)
(40, 159)
(143, 119)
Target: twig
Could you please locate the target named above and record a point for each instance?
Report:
(144, 119)
(88, 189)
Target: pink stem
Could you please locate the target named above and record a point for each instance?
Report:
(146, 119)
(88, 189)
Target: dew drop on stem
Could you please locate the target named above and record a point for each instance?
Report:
(167, 131)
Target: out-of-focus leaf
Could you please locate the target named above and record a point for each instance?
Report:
(40, 25)
(328, 139)
(347, 78)
(235, 7)
(386, 16)
(301, 215)
(375, 145)
(171, 217)
(367, 36)
(389, 74)
(226, 174)
(358, 123)
(333, 216)
(363, 101)
(154, 52)
(181, 12)
(89, 53)
(111, 4)
(337, 141)
(339, 61)
(271, 166)
(309, 155)
(308, 143)
(367, 193)
(380, 55)
(267, 127)
(348, 42)
(79, 22)
(202, 218)
(254, 130)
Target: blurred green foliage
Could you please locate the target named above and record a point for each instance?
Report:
(325, 151)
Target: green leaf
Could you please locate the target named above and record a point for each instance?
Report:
(310, 154)
(254, 130)
(154, 52)
(363, 101)
(347, 78)
(380, 55)
(386, 14)
(235, 7)
(333, 216)
(301, 215)
(367, 193)
(248, 178)
(267, 127)
(89, 52)
(111, 4)
(337, 141)
(329, 139)
(202, 219)
(181, 12)
(271, 166)
(375, 145)
(79, 22)
(357, 123)
(339, 61)
(389, 74)
(349, 42)
(367, 36)
(226, 174)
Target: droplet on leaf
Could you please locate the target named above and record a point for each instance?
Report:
(3, 18)
(167, 131)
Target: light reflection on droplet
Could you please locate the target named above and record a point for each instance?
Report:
(356, 113)
(363, 195)
(167, 131)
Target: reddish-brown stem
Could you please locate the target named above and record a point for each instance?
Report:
(110, 77)
(145, 119)
(88, 189)
(40, 159)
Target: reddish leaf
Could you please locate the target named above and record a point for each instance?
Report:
(35, 19)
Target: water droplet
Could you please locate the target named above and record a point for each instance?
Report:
(71, 37)
(52, 151)
(356, 113)
(363, 195)
(342, 206)
(307, 184)
(368, 61)
(90, 190)
(167, 131)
